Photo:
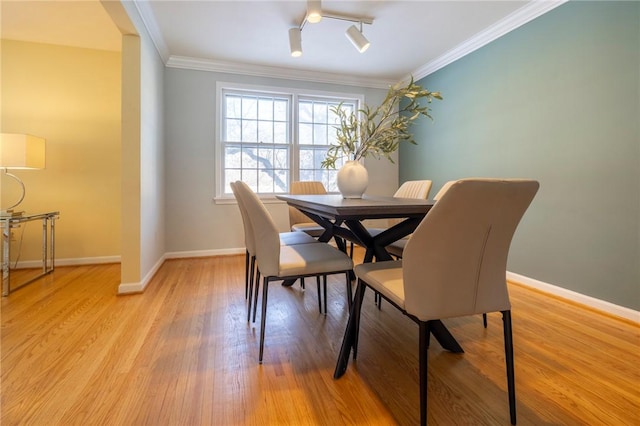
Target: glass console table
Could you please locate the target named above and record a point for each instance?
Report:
(7, 223)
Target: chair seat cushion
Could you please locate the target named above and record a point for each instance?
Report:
(385, 278)
(294, 238)
(396, 248)
(312, 259)
(310, 228)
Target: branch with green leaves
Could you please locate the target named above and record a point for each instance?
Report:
(379, 131)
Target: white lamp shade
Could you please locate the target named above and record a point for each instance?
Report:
(359, 41)
(18, 151)
(295, 42)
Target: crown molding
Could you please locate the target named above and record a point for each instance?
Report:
(515, 20)
(276, 72)
(151, 24)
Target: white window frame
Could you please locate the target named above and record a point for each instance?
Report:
(294, 95)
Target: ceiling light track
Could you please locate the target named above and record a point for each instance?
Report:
(315, 15)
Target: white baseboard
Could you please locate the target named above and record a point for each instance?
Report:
(129, 288)
(592, 302)
(204, 253)
(69, 262)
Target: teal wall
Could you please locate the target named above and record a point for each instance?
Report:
(557, 100)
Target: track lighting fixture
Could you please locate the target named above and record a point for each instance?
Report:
(314, 11)
(357, 38)
(295, 42)
(315, 14)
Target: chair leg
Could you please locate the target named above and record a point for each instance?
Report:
(251, 279)
(349, 291)
(324, 290)
(484, 320)
(508, 354)
(263, 320)
(424, 349)
(246, 274)
(319, 294)
(302, 283)
(255, 302)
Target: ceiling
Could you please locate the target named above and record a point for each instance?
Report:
(407, 37)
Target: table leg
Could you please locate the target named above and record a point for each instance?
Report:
(444, 337)
(6, 233)
(349, 340)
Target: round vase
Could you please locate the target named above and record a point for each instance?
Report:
(352, 179)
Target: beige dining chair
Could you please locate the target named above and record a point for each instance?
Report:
(286, 238)
(298, 220)
(397, 247)
(282, 262)
(454, 265)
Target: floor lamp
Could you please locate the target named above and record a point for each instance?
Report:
(20, 151)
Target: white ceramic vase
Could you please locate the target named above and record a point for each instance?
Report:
(352, 179)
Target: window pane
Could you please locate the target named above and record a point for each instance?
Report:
(305, 112)
(280, 133)
(249, 108)
(319, 112)
(319, 134)
(249, 156)
(281, 158)
(234, 106)
(250, 177)
(306, 159)
(249, 131)
(305, 134)
(266, 158)
(265, 109)
(265, 131)
(233, 131)
(232, 157)
(280, 111)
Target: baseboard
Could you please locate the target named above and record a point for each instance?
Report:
(591, 302)
(132, 288)
(27, 264)
(204, 253)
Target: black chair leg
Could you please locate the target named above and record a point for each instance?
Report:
(319, 294)
(251, 279)
(324, 290)
(508, 354)
(349, 291)
(263, 320)
(484, 320)
(425, 333)
(255, 302)
(302, 283)
(246, 274)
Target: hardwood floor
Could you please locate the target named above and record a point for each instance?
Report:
(182, 353)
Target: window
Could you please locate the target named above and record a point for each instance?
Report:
(269, 138)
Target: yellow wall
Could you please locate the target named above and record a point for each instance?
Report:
(71, 97)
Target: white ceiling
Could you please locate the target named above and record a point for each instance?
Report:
(407, 37)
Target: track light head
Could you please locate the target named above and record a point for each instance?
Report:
(357, 38)
(295, 42)
(314, 11)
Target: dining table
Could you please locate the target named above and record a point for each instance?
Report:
(342, 219)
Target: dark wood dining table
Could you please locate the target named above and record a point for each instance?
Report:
(343, 218)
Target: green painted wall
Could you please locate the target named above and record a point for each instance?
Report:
(557, 100)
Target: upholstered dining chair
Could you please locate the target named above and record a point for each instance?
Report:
(298, 220)
(286, 238)
(397, 247)
(454, 265)
(282, 262)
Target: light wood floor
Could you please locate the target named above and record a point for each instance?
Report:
(182, 353)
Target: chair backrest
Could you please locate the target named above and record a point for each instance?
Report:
(444, 189)
(455, 263)
(411, 189)
(246, 222)
(414, 189)
(303, 188)
(265, 232)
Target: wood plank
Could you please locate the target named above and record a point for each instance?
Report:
(73, 352)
